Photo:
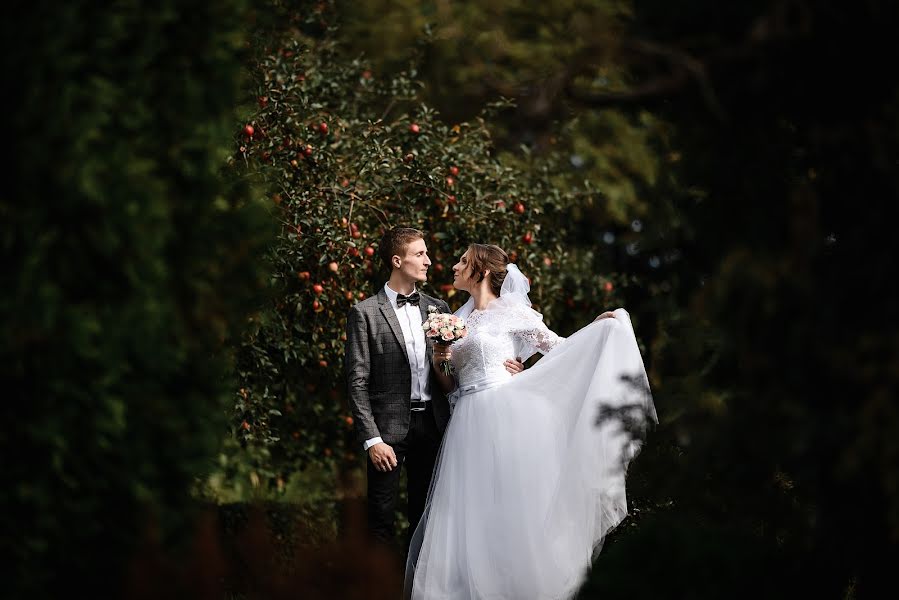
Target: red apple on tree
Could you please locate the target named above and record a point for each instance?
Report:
(248, 130)
(518, 207)
(323, 128)
(317, 288)
(333, 266)
(369, 251)
(414, 128)
(527, 238)
(454, 170)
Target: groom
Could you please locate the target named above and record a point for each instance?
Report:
(399, 410)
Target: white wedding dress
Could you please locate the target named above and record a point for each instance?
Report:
(531, 474)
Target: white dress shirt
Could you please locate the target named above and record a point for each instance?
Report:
(409, 317)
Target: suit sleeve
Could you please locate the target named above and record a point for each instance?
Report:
(357, 365)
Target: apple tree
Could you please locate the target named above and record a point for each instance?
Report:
(345, 153)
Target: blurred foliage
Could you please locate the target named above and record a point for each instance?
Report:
(128, 264)
(267, 551)
(783, 465)
(543, 56)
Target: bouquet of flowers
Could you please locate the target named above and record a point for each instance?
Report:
(444, 328)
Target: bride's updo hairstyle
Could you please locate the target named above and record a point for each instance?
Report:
(487, 257)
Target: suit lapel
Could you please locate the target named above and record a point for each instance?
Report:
(423, 308)
(390, 316)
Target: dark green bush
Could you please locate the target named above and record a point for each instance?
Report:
(127, 262)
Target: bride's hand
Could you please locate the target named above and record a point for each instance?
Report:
(606, 315)
(514, 366)
(442, 352)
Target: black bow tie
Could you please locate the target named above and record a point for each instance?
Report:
(412, 299)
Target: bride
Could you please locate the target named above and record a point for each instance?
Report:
(531, 473)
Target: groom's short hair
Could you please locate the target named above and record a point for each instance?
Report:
(394, 242)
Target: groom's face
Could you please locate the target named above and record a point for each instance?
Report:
(414, 265)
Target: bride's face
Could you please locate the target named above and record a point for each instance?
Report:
(462, 276)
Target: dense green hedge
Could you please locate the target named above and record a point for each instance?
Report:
(127, 262)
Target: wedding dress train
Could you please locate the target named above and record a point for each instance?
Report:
(531, 473)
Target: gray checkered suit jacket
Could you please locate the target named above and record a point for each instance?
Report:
(377, 371)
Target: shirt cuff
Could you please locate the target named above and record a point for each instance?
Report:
(369, 443)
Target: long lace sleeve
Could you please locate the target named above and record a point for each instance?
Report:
(532, 335)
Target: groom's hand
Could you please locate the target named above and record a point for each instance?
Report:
(514, 366)
(382, 457)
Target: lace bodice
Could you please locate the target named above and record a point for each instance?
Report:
(498, 333)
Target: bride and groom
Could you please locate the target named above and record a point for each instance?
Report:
(528, 475)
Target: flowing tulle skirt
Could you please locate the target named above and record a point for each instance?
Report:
(531, 474)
